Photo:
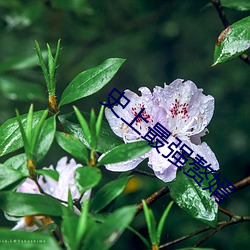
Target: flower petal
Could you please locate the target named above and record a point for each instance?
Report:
(126, 165)
(136, 104)
(29, 187)
(205, 151)
(65, 182)
(163, 169)
(188, 110)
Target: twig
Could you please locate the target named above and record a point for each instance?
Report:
(144, 173)
(242, 184)
(42, 192)
(152, 198)
(222, 15)
(204, 229)
(234, 220)
(226, 23)
(221, 225)
(224, 211)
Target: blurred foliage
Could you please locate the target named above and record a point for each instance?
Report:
(161, 41)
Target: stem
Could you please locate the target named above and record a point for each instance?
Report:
(235, 220)
(144, 173)
(152, 198)
(226, 23)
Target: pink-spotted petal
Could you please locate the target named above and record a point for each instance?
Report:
(129, 113)
(188, 110)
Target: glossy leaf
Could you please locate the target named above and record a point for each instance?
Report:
(19, 90)
(20, 204)
(74, 228)
(162, 221)
(108, 193)
(125, 152)
(84, 125)
(233, 41)
(16, 240)
(46, 137)
(73, 146)
(99, 122)
(53, 174)
(10, 136)
(90, 81)
(87, 177)
(107, 138)
(18, 162)
(241, 5)
(191, 198)
(105, 235)
(151, 223)
(69, 230)
(8, 176)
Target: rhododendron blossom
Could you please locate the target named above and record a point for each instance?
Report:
(181, 108)
(58, 189)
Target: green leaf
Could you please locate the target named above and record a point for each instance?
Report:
(19, 90)
(125, 152)
(99, 122)
(46, 138)
(105, 235)
(92, 127)
(143, 239)
(151, 223)
(87, 177)
(16, 240)
(69, 230)
(43, 65)
(53, 174)
(108, 193)
(241, 5)
(191, 198)
(18, 162)
(90, 81)
(73, 146)
(74, 228)
(8, 176)
(82, 223)
(233, 41)
(84, 125)
(107, 139)
(20, 204)
(10, 136)
(162, 221)
(70, 201)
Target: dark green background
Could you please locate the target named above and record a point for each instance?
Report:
(162, 41)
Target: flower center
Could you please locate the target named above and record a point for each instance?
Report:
(142, 115)
(179, 109)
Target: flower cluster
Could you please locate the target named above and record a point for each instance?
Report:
(181, 108)
(58, 189)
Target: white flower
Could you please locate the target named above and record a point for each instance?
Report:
(58, 189)
(179, 107)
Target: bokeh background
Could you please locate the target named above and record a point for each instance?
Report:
(161, 41)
